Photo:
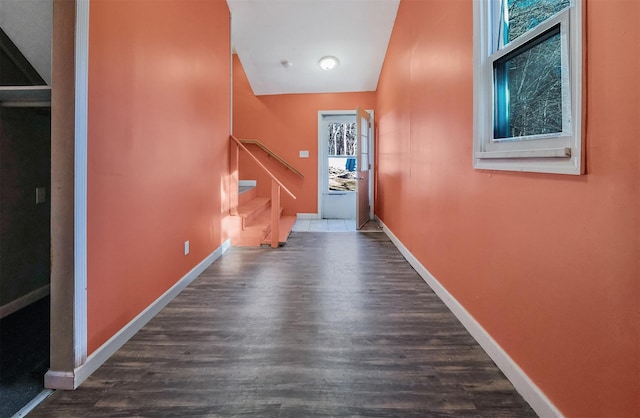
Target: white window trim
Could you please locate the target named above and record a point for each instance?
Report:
(556, 153)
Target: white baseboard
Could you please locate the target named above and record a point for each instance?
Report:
(523, 384)
(71, 380)
(57, 379)
(223, 248)
(23, 301)
(307, 216)
(247, 183)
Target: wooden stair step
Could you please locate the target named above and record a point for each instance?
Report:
(252, 209)
(285, 225)
(258, 231)
(260, 222)
(247, 195)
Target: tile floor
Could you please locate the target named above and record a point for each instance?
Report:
(332, 225)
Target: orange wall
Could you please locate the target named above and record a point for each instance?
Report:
(548, 264)
(286, 124)
(158, 150)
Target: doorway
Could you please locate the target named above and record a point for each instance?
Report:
(25, 208)
(25, 201)
(341, 182)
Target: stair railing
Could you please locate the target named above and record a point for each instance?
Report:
(276, 186)
(271, 154)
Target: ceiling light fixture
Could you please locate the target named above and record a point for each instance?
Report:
(328, 63)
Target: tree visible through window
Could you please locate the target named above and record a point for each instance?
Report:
(342, 139)
(342, 152)
(529, 89)
(521, 16)
(527, 82)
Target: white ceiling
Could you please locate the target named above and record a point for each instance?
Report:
(28, 24)
(266, 32)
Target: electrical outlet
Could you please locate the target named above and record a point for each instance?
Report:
(304, 154)
(186, 247)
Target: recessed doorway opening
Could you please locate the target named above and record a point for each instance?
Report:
(345, 165)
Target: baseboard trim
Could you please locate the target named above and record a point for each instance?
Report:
(247, 183)
(523, 384)
(307, 216)
(223, 249)
(26, 300)
(56, 379)
(71, 380)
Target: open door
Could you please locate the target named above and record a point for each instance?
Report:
(363, 132)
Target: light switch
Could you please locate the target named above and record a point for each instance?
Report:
(304, 154)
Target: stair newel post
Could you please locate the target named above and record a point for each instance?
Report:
(234, 164)
(275, 214)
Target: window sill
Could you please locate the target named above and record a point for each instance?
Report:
(539, 164)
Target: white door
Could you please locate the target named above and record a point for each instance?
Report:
(339, 164)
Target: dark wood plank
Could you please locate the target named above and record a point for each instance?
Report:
(328, 325)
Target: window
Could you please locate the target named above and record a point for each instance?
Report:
(342, 152)
(528, 85)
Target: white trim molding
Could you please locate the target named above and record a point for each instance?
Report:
(305, 216)
(222, 249)
(55, 379)
(71, 380)
(557, 152)
(80, 182)
(523, 384)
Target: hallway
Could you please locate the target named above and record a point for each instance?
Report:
(328, 325)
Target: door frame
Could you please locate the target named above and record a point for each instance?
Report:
(322, 156)
(69, 106)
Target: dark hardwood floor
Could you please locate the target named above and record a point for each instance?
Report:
(328, 325)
